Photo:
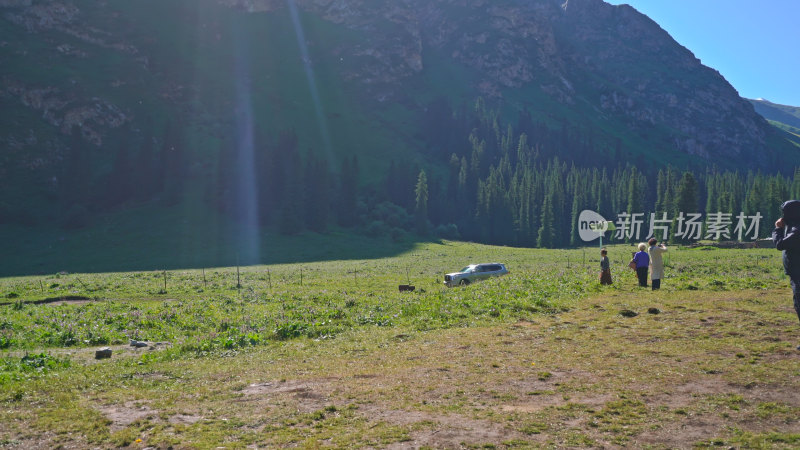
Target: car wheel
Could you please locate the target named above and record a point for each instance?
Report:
(463, 282)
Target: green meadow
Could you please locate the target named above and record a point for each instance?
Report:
(332, 354)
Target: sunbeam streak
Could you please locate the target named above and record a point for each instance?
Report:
(312, 84)
(246, 188)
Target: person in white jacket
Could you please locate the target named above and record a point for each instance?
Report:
(656, 262)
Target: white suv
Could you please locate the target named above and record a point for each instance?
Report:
(474, 272)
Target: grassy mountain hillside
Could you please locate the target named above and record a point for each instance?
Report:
(789, 115)
(257, 110)
(785, 118)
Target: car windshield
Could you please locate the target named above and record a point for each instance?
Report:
(467, 269)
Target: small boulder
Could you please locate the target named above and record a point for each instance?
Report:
(628, 313)
(654, 311)
(138, 344)
(102, 353)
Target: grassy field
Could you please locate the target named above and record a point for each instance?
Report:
(331, 354)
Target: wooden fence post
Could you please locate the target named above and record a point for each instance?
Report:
(238, 279)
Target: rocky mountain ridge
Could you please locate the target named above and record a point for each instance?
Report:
(608, 65)
(554, 45)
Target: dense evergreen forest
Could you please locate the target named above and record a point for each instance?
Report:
(520, 184)
(526, 184)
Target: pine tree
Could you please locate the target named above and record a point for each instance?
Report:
(75, 180)
(75, 185)
(576, 208)
(145, 183)
(317, 189)
(547, 225)
(794, 191)
(120, 183)
(291, 213)
(604, 196)
(688, 199)
(661, 187)
(348, 193)
(712, 194)
(636, 191)
(756, 196)
(265, 171)
(421, 204)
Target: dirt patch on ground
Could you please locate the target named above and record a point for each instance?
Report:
(429, 429)
(308, 395)
(123, 415)
(441, 430)
(56, 301)
(184, 419)
(68, 302)
(540, 402)
(684, 394)
(294, 387)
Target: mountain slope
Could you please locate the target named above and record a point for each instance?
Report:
(581, 62)
(789, 115)
(198, 103)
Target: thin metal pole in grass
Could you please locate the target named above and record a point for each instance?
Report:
(238, 279)
(269, 279)
(165, 281)
(204, 278)
(301, 277)
(41, 286)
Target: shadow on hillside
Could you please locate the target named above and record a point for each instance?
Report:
(47, 251)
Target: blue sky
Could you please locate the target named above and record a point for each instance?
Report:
(754, 44)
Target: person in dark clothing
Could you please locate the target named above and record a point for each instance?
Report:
(605, 268)
(642, 260)
(786, 237)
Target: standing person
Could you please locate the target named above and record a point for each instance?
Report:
(642, 260)
(605, 268)
(786, 237)
(656, 262)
